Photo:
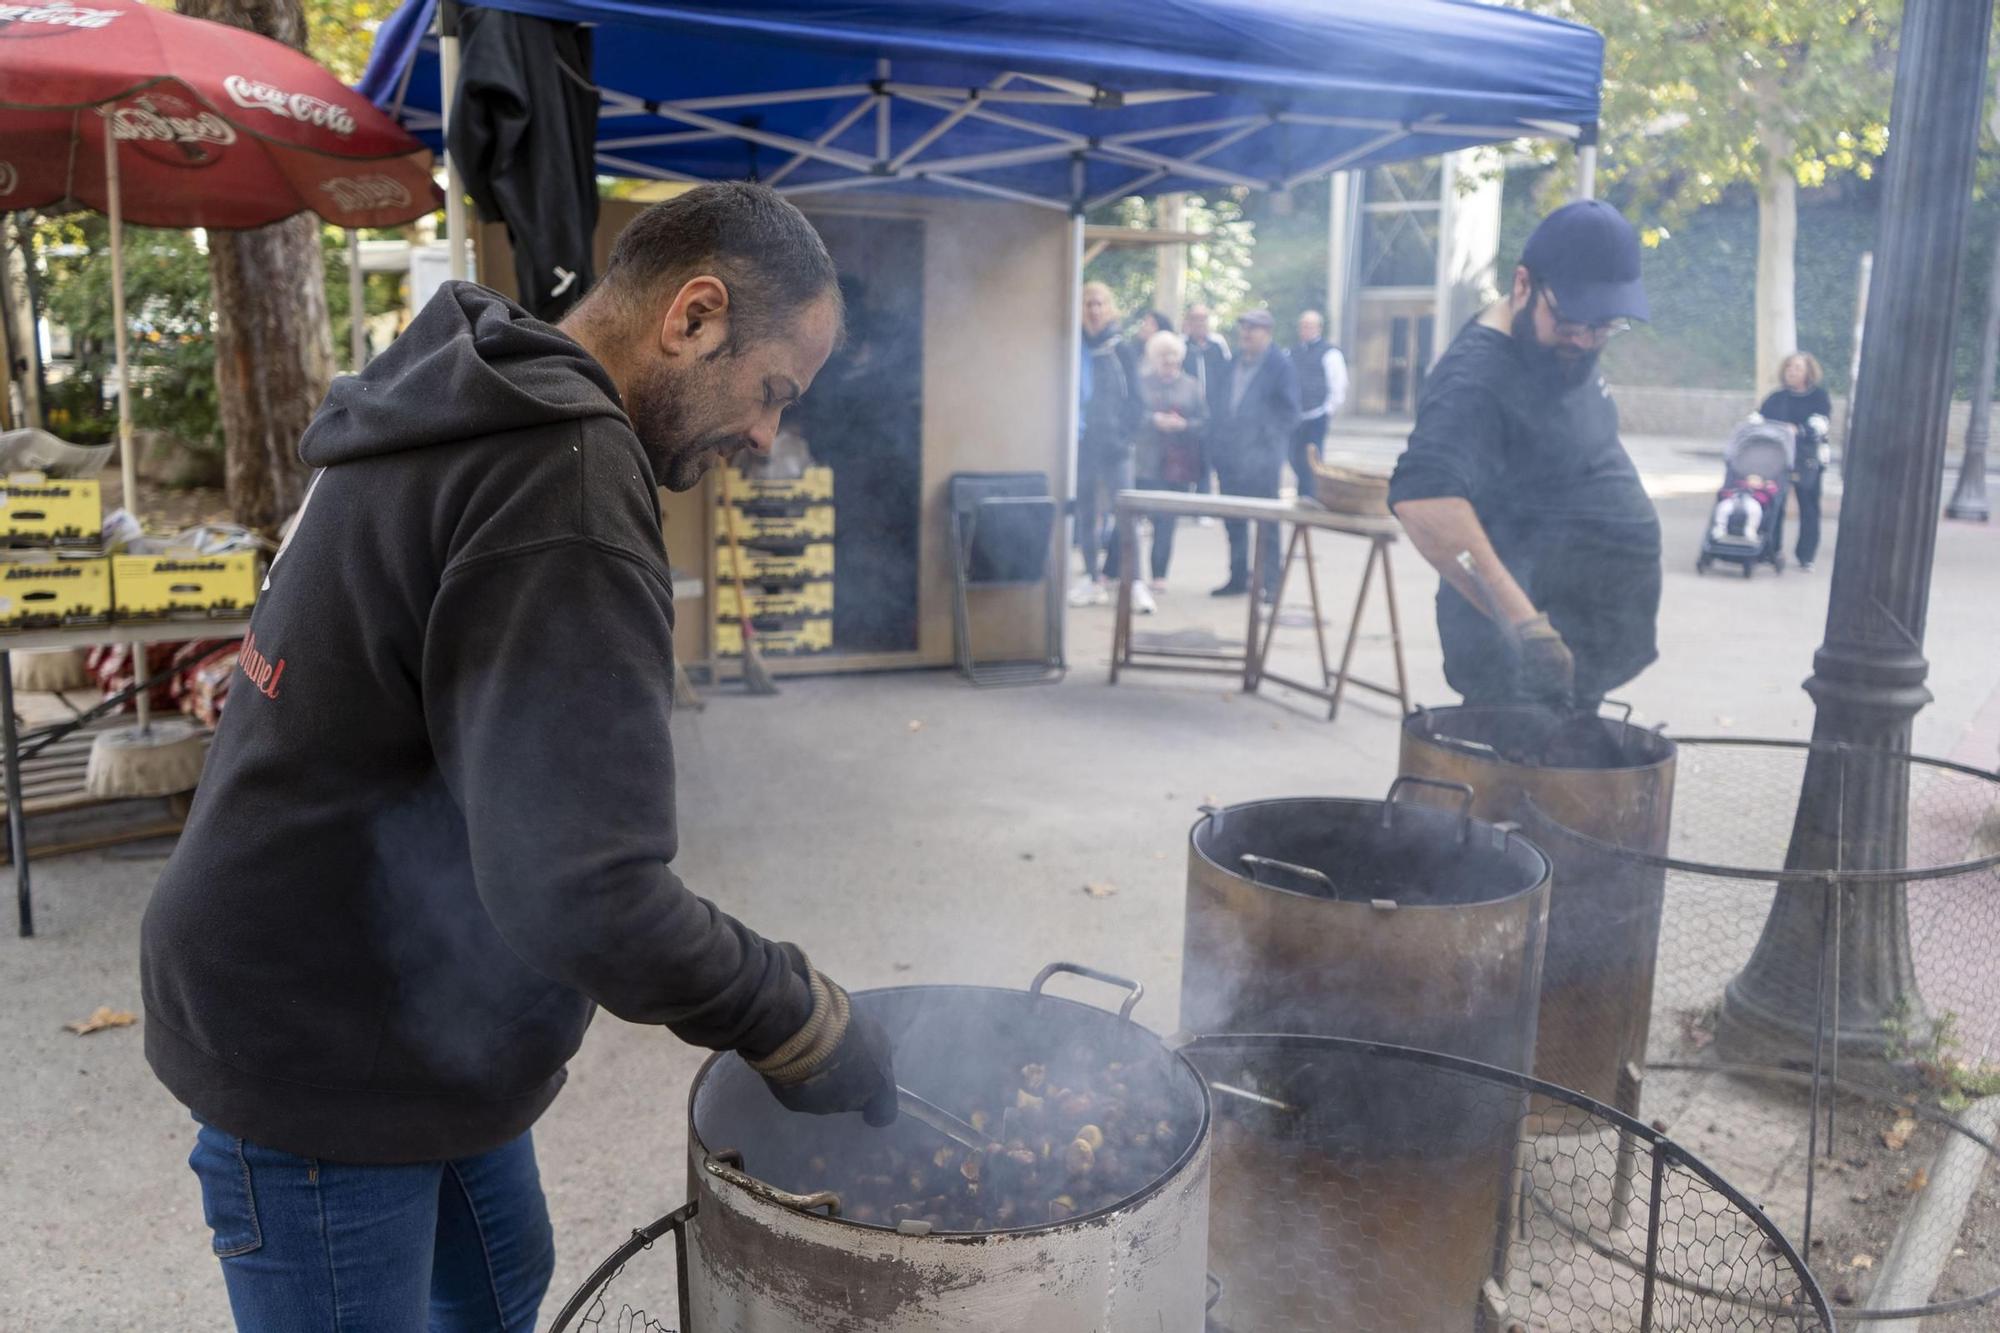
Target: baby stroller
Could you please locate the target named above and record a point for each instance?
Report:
(1757, 449)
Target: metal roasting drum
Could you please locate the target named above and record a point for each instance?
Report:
(1616, 786)
(768, 1249)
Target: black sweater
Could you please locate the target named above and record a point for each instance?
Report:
(435, 825)
(1798, 408)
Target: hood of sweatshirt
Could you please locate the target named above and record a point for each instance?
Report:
(471, 364)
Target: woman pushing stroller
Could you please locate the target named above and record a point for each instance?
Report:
(1802, 400)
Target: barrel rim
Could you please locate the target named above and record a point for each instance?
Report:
(1509, 838)
(1629, 730)
(1196, 1150)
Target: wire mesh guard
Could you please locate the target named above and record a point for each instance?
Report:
(1824, 1019)
(1364, 1186)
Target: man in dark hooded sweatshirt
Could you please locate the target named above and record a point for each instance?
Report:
(437, 835)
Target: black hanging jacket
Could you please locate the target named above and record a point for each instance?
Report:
(435, 826)
(524, 133)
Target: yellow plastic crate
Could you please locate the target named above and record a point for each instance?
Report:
(182, 583)
(777, 562)
(37, 512)
(777, 599)
(46, 592)
(777, 522)
(794, 638)
(815, 486)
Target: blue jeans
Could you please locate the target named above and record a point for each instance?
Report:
(326, 1247)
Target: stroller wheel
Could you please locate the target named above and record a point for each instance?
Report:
(1778, 563)
(1749, 570)
(1701, 564)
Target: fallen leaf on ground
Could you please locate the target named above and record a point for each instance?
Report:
(1098, 888)
(916, 724)
(1918, 1182)
(1897, 1135)
(105, 1017)
(1862, 1261)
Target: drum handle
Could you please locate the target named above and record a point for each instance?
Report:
(1462, 790)
(1078, 969)
(728, 1165)
(1252, 862)
(1624, 709)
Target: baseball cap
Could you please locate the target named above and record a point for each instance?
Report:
(1588, 255)
(1257, 319)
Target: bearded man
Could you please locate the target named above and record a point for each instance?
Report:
(438, 838)
(1516, 488)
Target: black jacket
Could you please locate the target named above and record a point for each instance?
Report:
(1258, 429)
(1110, 404)
(524, 133)
(435, 826)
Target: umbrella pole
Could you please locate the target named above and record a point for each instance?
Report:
(128, 467)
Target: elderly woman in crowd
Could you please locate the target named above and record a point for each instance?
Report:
(1167, 455)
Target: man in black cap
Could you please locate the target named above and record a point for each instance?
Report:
(1516, 488)
(1252, 417)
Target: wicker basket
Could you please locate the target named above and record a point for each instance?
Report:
(1346, 491)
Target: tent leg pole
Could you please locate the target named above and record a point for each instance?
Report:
(1066, 484)
(1586, 171)
(128, 467)
(455, 220)
(357, 304)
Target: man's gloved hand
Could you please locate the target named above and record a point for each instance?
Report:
(1547, 669)
(839, 1061)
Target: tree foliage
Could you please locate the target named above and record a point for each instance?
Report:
(1697, 91)
(1218, 268)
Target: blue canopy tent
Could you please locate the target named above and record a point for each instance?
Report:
(1053, 104)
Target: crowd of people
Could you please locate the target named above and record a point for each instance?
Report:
(1172, 411)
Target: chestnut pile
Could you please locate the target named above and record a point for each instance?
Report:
(1064, 1146)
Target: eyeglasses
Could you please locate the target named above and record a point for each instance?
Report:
(1569, 329)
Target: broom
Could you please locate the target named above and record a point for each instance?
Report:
(756, 677)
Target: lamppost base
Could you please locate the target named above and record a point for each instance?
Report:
(1752, 1033)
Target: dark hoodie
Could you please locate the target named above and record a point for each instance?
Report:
(435, 825)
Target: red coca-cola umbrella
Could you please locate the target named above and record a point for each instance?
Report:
(207, 126)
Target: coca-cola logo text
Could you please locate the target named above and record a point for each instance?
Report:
(171, 129)
(254, 95)
(48, 20)
(362, 194)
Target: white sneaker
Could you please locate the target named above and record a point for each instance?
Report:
(1088, 594)
(1142, 599)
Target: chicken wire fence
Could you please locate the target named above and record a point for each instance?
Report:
(1367, 1186)
(1823, 1022)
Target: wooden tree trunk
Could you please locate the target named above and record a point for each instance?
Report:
(273, 336)
(1777, 273)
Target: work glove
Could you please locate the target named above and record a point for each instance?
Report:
(839, 1061)
(1547, 670)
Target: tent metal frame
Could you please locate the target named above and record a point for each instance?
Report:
(891, 163)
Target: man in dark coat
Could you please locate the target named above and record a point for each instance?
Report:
(1256, 412)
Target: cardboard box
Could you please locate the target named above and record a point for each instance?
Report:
(776, 561)
(787, 637)
(813, 598)
(815, 485)
(777, 522)
(35, 511)
(183, 583)
(48, 591)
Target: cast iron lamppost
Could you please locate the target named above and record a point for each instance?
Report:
(1868, 676)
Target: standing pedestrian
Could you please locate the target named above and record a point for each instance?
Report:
(1322, 373)
(1802, 399)
(1517, 490)
(1253, 429)
(1104, 444)
(1208, 361)
(1167, 454)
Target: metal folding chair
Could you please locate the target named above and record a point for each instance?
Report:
(1002, 527)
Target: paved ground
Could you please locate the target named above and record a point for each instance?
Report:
(952, 850)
